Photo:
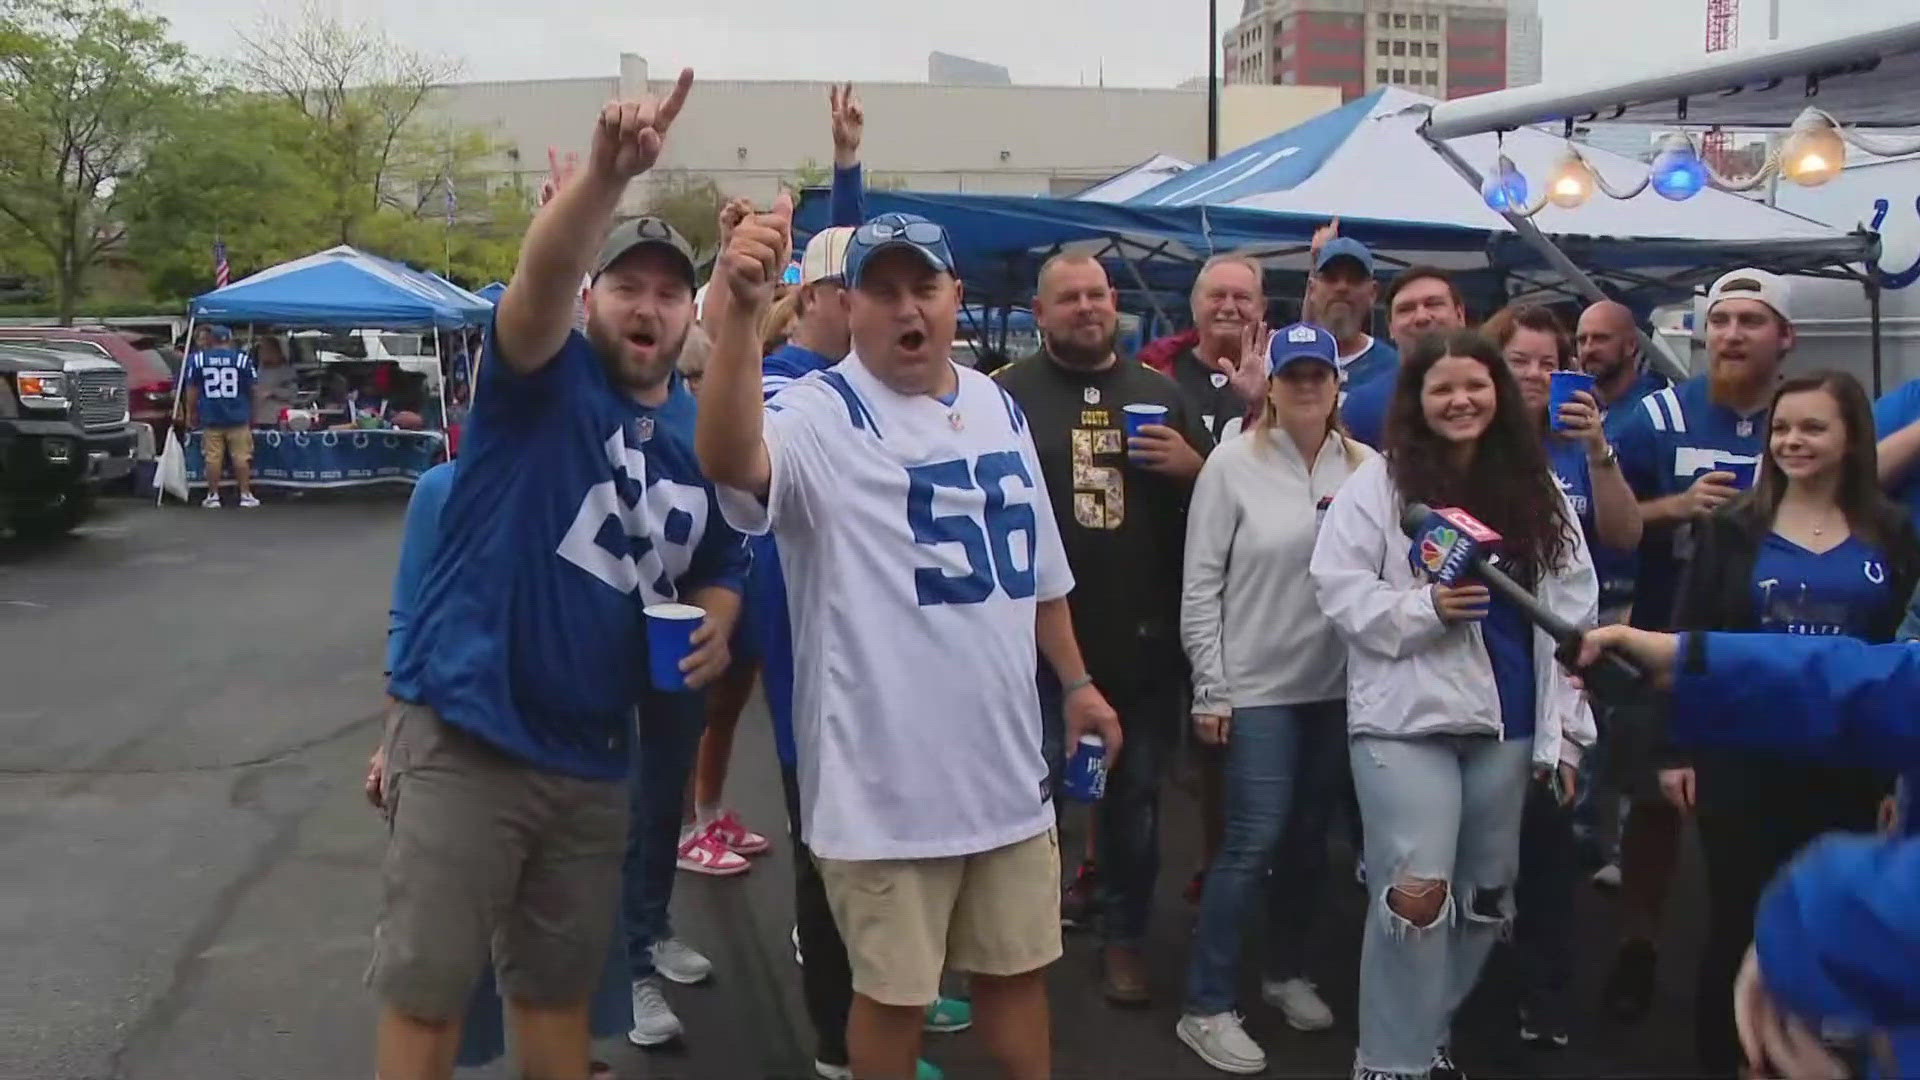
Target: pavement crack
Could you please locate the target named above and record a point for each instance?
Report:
(274, 758)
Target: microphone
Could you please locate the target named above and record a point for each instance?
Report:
(1451, 544)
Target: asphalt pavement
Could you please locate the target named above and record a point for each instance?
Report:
(191, 872)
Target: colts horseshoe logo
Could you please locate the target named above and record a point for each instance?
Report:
(361, 439)
(329, 438)
(1876, 573)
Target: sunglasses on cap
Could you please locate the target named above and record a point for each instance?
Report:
(874, 233)
(653, 228)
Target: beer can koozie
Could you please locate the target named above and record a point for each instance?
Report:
(1086, 779)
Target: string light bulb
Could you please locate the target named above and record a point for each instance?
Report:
(1505, 189)
(1572, 183)
(1813, 152)
(1677, 172)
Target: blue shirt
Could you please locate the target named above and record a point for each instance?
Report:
(418, 541)
(1838, 592)
(1568, 461)
(1899, 408)
(1509, 639)
(1365, 409)
(1380, 359)
(1675, 435)
(767, 617)
(224, 378)
(573, 509)
(1615, 568)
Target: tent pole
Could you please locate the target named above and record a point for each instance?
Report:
(439, 358)
(1140, 280)
(1873, 310)
(173, 419)
(1537, 240)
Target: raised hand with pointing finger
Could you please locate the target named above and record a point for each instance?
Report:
(630, 135)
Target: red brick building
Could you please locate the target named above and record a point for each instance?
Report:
(1442, 48)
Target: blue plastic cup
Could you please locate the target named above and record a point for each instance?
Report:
(1135, 417)
(1743, 472)
(670, 630)
(1563, 385)
(1086, 776)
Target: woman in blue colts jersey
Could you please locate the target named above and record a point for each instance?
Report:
(1813, 549)
(1454, 699)
(1535, 345)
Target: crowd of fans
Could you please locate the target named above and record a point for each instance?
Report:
(947, 582)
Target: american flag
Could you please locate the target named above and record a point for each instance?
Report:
(222, 273)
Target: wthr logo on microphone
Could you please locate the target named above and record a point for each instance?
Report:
(1447, 543)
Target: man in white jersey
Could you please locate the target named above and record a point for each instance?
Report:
(923, 569)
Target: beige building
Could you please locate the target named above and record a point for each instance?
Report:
(1012, 140)
(1441, 48)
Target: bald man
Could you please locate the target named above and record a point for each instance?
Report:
(1609, 345)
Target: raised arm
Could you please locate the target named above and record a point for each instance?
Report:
(729, 436)
(849, 202)
(536, 314)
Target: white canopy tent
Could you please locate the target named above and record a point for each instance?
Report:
(1150, 173)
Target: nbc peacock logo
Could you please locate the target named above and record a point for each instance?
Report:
(1435, 546)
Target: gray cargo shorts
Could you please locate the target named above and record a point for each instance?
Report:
(487, 855)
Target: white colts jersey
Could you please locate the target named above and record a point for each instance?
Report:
(916, 539)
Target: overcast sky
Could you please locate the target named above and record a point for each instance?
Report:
(1139, 42)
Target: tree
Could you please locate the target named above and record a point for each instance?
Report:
(361, 91)
(809, 174)
(232, 167)
(85, 88)
(690, 204)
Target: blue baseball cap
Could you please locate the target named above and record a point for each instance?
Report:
(1344, 247)
(910, 231)
(1301, 342)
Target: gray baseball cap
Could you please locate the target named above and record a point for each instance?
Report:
(630, 236)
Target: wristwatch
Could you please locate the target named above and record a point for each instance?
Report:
(1608, 460)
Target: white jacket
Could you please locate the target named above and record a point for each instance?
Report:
(1410, 674)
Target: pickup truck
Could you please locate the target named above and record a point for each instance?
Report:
(44, 488)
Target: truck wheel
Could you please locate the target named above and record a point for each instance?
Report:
(52, 522)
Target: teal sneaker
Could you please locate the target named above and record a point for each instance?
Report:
(927, 1070)
(947, 1015)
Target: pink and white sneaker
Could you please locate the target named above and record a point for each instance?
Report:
(703, 852)
(739, 839)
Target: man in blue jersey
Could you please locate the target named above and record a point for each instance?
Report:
(1683, 453)
(578, 502)
(1340, 295)
(1421, 300)
(1897, 419)
(219, 381)
(1837, 934)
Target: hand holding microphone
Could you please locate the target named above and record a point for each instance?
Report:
(1451, 544)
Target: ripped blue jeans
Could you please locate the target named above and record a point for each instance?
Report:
(1442, 818)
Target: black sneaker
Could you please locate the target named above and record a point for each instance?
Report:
(1080, 900)
(1541, 1033)
(1443, 1067)
(1628, 994)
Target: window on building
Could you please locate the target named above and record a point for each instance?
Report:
(1433, 78)
(1399, 76)
(1399, 48)
(1399, 21)
(1433, 22)
(1379, 75)
(1381, 46)
(1433, 49)
(1385, 20)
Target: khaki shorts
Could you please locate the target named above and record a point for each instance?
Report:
(489, 856)
(904, 920)
(217, 443)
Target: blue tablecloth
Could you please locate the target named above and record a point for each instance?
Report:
(317, 459)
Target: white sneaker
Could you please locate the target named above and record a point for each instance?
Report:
(1222, 1043)
(249, 500)
(1607, 877)
(212, 501)
(798, 957)
(653, 1020)
(832, 1072)
(1299, 1000)
(680, 962)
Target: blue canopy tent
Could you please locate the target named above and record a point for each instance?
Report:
(491, 292)
(1366, 163)
(343, 287)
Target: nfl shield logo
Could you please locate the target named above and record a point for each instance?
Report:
(1219, 379)
(643, 429)
(1092, 395)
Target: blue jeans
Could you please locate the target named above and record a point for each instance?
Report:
(663, 756)
(1438, 808)
(1283, 775)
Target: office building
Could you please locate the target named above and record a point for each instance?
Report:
(1442, 48)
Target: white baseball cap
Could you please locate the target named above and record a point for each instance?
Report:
(826, 255)
(1748, 283)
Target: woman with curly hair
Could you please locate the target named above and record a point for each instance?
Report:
(1454, 699)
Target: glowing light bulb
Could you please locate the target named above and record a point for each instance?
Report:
(1813, 153)
(1572, 182)
(1677, 172)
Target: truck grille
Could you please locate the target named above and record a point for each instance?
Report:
(99, 397)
